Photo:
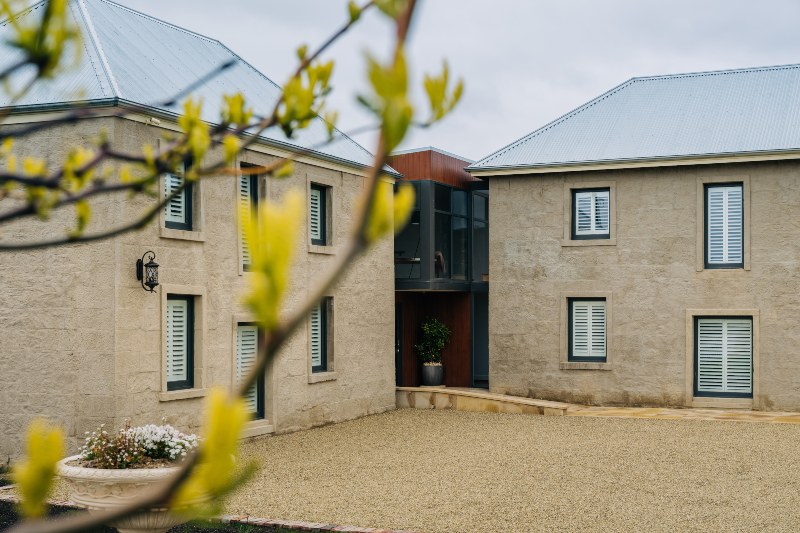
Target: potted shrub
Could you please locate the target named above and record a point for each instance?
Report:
(114, 468)
(435, 337)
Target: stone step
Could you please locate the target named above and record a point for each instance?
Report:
(477, 400)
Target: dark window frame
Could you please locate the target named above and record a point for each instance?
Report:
(574, 215)
(706, 264)
(323, 213)
(706, 394)
(187, 383)
(260, 413)
(255, 197)
(579, 359)
(186, 225)
(325, 304)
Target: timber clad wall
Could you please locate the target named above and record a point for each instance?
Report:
(432, 165)
(83, 344)
(453, 309)
(652, 279)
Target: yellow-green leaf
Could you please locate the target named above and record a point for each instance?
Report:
(44, 447)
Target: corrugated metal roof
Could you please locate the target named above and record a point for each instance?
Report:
(136, 58)
(661, 117)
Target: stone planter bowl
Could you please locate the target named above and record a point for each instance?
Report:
(100, 489)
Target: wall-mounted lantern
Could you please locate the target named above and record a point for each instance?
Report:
(147, 273)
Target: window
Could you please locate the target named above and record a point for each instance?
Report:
(320, 324)
(318, 214)
(248, 207)
(724, 357)
(724, 226)
(180, 342)
(587, 330)
(480, 237)
(591, 214)
(178, 210)
(247, 336)
(451, 233)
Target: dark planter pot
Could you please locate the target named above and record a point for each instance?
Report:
(432, 376)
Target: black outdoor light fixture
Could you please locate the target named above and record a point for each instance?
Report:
(147, 273)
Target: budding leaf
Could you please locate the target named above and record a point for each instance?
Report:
(44, 447)
(215, 474)
(272, 237)
(354, 11)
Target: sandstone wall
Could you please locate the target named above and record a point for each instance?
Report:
(652, 277)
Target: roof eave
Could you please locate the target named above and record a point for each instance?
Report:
(679, 160)
(160, 113)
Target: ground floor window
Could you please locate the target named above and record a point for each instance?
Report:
(724, 357)
(587, 330)
(320, 336)
(246, 355)
(180, 342)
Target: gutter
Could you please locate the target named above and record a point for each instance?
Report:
(612, 164)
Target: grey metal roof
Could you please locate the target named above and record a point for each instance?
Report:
(669, 117)
(130, 57)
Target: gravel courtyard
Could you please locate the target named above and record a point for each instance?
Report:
(449, 471)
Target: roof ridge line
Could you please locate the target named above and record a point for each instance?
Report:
(30, 8)
(160, 21)
(553, 123)
(99, 46)
(717, 72)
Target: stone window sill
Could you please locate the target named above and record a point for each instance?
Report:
(181, 394)
(256, 428)
(723, 403)
(318, 377)
(577, 365)
(589, 242)
(324, 250)
(183, 235)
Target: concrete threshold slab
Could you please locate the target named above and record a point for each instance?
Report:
(476, 400)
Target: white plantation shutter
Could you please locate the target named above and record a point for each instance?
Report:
(176, 209)
(177, 340)
(592, 212)
(246, 213)
(588, 329)
(315, 214)
(725, 355)
(724, 224)
(317, 336)
(246, 351)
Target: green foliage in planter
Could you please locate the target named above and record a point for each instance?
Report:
(435, 337)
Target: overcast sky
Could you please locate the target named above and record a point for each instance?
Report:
(524, 62)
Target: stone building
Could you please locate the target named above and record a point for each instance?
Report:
(644, 248)
(82, 342)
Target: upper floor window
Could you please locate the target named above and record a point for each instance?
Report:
(319, 199)
(248, 207)
(724, 226)
(591, 214)
(178, 209)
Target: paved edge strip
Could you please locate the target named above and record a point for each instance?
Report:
(266, 523)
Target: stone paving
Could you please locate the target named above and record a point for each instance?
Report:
(442, 471)
(659, 413)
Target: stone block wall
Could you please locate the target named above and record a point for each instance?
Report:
(652, 277)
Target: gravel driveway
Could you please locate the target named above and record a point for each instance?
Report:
(440, 471)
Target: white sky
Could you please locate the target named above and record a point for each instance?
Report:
(524, 62)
